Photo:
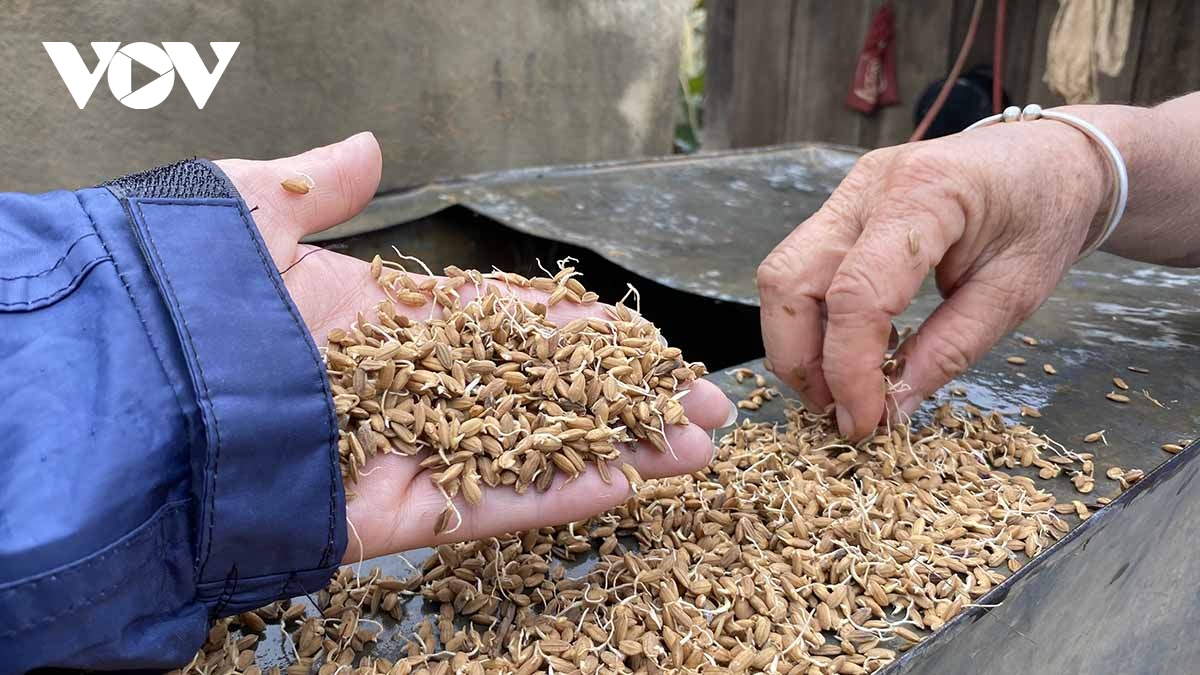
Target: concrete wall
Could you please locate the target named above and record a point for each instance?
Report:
(449, 86)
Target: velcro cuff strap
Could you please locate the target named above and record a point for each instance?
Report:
(272, 516)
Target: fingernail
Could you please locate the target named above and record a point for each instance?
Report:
(732, 416)
(845, 421)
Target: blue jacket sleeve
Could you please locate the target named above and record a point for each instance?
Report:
(167, 435)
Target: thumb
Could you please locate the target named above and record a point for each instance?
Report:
(342, 178)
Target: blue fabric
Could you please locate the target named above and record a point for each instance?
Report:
(167, 436)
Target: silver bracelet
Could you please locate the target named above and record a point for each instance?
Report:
(1120, 195)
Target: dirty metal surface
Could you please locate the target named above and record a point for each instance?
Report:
(1119, 594)
(697, 223)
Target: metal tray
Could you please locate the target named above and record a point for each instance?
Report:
(1117, 595)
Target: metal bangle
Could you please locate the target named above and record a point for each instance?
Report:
(1120, 195)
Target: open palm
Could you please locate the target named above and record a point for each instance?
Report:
(396, 505)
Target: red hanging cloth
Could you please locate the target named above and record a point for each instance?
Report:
(875, 75)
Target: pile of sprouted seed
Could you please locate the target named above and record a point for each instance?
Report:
(793, 552)
(494, 392)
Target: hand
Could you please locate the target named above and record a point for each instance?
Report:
(1001, 214)
(396, 506)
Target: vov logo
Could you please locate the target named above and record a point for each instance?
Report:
(172, 57)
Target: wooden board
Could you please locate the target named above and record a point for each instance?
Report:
(789, 63)
(1169, 62)
(824, 53)
(761, 49)
(718, 72)
(918, 63)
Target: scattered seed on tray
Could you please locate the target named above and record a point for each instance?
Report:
(794, 552)
(1137, 369)
(1152, 399)
(1119, 383)
(1049, 369)
(1029, 340)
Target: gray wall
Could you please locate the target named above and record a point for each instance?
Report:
(450, 87)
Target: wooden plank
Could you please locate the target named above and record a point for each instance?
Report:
(720, 19)
(919, 61)
(1169, 59)
(1036, 90)
(761, 56)
(1119, 89)
(985, 36)
(1019, 46)
(827, 37)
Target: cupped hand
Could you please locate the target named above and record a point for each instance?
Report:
(1000, 213)
(396, 506)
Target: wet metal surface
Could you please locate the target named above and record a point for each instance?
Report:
(699, 223)
(1119, 595)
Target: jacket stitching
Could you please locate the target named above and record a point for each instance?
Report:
(211, 482)
(101, 595)
(323, 381)
(230, 587)
(55, 266)
(65, 290)
(159, 548)
(74, 568)
(187, 425)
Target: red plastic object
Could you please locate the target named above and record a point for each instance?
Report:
(875, 75)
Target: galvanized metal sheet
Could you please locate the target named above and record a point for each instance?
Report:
(698, 223)
(1119, 594)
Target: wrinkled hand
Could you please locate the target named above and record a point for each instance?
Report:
(396, 506)
(1001, 214)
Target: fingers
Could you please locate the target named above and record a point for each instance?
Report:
(389, 521)
(396, 506)
(960, 331)
(344, 177)
(691, 449)
(877, 281)
(397, 509)
(792, 281)
(707, 406)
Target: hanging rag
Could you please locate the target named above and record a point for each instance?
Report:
(1087, 37)
(874, 83)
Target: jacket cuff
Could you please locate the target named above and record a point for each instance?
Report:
(270, 521)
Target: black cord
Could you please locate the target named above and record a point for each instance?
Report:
(289, 267)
